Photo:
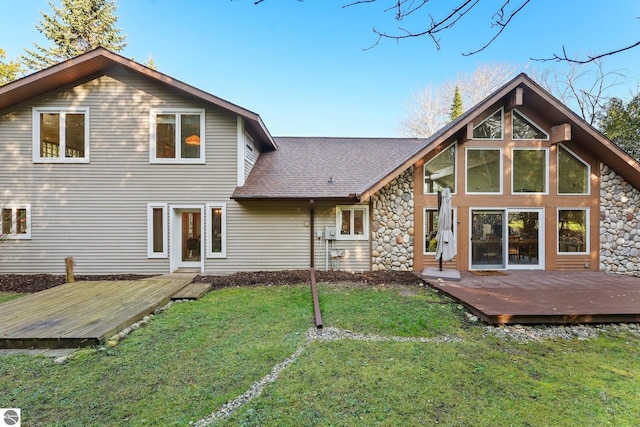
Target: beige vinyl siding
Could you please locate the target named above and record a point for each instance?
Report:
(96, 212)
(357, 256)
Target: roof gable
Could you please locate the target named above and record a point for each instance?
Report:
(554, 111)
(97, 62)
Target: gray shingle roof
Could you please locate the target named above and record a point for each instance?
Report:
(302, 167)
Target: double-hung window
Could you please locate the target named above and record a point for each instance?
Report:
(177, 136)
(15, 222)
(352, 222)
(60, 135)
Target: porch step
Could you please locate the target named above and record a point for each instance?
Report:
(192, 291)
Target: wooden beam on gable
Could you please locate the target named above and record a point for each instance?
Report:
(560, 133)
(469, 132)
(517, 97)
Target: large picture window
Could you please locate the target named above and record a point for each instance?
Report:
(572, 230)
(484, 170)
(529, 171)
(60, 136)
(15, 222)
(573, 173)
(352, 222)
(440, 172)
(217, 230)
(177, 136)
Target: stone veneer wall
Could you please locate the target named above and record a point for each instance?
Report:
(619, 224)
(393, 225)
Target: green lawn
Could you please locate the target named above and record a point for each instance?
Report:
(196, 356)
(8, 296)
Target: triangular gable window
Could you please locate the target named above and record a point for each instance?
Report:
(490, 128)
(524, 128)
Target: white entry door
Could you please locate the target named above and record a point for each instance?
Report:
(186, 237)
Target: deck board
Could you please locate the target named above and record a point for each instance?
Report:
(82, 313)
(560, 297)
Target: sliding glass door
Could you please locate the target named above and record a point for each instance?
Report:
(507, 239)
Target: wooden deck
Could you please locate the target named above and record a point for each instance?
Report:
(550, 297)
(83, 313)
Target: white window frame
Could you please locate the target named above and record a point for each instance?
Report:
(466, 170)
(501, 109)
(454, 227)
(531, 122)
(208, 240)
(587, 237)
(365, 225)
(178, 159)
(37, 158)
(165, 231)
(581, 160)
(455, 167)
(546, 171)
(13, 235)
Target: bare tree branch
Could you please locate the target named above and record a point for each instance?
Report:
(590, 58)
(500, 23)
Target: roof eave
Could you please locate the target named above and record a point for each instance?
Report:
(98, 61)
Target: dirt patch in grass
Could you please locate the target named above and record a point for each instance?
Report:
(296, 277)
(29, 283)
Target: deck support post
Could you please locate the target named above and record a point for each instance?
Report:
(68, 268)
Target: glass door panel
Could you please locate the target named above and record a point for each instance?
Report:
(191, 223)
(487, 239)
(525, 243)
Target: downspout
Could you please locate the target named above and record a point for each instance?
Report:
(312, 243)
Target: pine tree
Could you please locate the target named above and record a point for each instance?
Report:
(456, 107)
(8, 70)
(76, 27)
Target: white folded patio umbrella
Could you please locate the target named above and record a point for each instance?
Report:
(446, 242)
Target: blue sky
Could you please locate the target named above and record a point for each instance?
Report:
(304, 67)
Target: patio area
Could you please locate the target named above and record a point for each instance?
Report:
(549, 297)
(83, 313)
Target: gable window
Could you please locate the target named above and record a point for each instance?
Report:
(157, 230)
(491, 127)
(352, 222)
(440, 172)
(60, 135)
(217, 229)
(15, 222)
(431, 228)
(484, 170)
(177, 136)
(572, 230)
(573, 173)
(529, 171)
(523, 128)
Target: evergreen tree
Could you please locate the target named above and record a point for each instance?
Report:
(76, 27)
(8, 70)
(456, 107)
(621, 124)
